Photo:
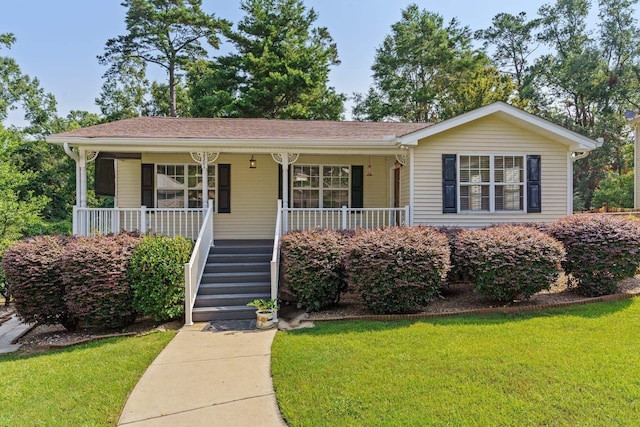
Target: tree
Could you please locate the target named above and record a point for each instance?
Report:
(586, 81)
(20, 90)
(280, 70)
(163, 32)
(18, 212)
(125, 92)
(427, 71)
(159, 105)
(513, 41)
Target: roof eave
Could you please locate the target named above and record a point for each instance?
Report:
(206, 143)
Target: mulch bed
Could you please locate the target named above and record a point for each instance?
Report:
(461, 298)
(49, 337)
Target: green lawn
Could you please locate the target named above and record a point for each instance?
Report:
(577, 366)
(85, 385)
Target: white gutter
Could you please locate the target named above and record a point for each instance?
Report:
(70, 153)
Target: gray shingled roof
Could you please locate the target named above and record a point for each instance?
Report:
(265, 129)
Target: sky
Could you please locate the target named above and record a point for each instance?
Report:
(58, 41)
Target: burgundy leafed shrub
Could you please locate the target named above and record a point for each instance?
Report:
(94, 274)
(509, 262)
(455, 274)
(32, 269)
(313, 272)
(601, 250)
(397, 269)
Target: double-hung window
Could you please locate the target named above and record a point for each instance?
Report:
(491, 183)
(320, 186)
(180, 186)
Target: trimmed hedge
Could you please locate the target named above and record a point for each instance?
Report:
(509, 262)
(32, 270)
(94, 275)
(455, 274)
(313, 272)
(156, 274)
(397, 269)
(601, 250)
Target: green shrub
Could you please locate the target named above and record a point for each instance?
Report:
(397, 269)
(509, 262)
(32, 270)
(156, 274)
(313, 273)
(601, 250)
(94, 274)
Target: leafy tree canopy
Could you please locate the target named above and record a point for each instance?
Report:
(280, 68)
(166, 33)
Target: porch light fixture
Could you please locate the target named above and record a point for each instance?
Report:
(397, 164)
(252, 162)
(369, 168)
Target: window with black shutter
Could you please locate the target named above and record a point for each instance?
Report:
(534, 191)
(357, 186)
(449, 184)
(147, 181)
(224, 188)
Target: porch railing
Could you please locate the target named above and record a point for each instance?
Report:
(343, 218)
(195, 267)
(170, 222)
(275, 257)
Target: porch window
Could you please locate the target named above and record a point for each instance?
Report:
(491, 183)
(321, 186)
(180, 186)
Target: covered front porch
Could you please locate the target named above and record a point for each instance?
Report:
(169, 193)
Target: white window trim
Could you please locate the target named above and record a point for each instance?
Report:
(492, 184)
(320, 188)
(186, 183)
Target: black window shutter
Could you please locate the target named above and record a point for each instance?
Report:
(279, 182)
(357, 186)
(105, 177)
(449, 184)
(534, 191)
(224, 188)
(147, 196)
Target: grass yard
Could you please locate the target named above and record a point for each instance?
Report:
(85, 385)
(578, 366)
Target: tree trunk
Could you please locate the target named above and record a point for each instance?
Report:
(172, 91)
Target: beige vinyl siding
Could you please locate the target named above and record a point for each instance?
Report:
(404, 185)
(488, 136)
(128, 183)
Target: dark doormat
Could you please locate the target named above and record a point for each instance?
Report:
(231, 325)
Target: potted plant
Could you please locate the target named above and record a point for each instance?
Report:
(265, 311)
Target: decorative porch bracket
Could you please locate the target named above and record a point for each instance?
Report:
(402, 159)
(205, 158)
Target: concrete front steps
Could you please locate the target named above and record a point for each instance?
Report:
(237, 272)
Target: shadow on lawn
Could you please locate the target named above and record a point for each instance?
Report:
(588, 311)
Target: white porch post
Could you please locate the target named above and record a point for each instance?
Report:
(285, 190)
(285, 180)
(83, 178)
(205, 180)
(412, 186)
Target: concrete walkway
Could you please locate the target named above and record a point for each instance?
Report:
(205, 378)
(10, 330)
